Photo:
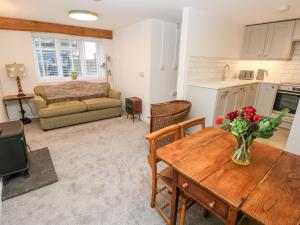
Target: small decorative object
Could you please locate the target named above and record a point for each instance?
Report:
(107, 66)
(74, 75)
(16, 71)
(246, 126)
(133, 106)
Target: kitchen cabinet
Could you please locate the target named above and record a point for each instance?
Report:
(250, 95)
(268, 41)
(224, 102)
(297, 31)
(265, 99)
(238, 98)
(279, 40)
(213, 103)
(254, 41)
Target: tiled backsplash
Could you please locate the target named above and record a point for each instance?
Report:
(203, 68)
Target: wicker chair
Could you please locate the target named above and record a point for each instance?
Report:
(168, 113)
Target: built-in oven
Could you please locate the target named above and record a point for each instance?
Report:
(287, 96)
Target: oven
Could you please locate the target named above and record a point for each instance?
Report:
(287, 97)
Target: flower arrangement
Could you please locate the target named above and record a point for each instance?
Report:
(246, 126)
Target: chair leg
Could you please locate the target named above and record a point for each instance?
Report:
(205, 213)
(153, 194)
(183, 209)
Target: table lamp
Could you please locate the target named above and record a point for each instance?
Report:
(16, 71)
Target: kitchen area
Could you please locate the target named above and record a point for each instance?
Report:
(266, 76)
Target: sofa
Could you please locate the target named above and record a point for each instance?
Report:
(78, 108)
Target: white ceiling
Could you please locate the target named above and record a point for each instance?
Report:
(117, 13)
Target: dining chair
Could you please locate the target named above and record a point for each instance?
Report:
(200, 121)
(163, 177)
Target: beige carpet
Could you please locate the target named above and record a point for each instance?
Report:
(104, 178)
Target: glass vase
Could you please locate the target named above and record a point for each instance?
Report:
(242, 154)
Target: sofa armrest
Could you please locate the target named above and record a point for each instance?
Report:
(114, 94)
(40, 102)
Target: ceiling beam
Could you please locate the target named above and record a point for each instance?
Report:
(37, 26)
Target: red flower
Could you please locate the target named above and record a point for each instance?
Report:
(232, 115)
(250, 109)
(219, 121)
(249, 116)
(257, 117)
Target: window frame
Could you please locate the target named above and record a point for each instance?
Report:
(100, 57)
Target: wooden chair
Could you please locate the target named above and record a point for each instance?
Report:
(163, 177)
(191, 123)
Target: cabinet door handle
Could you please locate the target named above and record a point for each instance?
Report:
(211, 204)
(259, 56)
(265, 55)
(185, 185)
(226, 92)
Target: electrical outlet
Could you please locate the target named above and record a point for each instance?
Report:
(141, 74)
(174, 93)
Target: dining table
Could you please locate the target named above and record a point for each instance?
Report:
(267, 190)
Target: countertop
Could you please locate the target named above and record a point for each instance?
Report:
(219, 84)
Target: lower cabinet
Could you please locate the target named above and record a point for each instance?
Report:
(214, 103)
(265, 99)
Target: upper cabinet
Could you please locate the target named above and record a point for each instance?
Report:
(254, 41)
(268, 41)
(297, 31)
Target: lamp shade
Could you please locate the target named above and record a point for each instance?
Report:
(15, 70)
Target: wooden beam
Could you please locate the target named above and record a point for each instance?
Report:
(37, 26)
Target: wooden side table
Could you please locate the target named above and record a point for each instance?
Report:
(8, 98)
(133, 106)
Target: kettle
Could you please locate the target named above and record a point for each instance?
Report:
(261, 74)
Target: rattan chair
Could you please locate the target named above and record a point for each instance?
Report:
(162, 179)
(166, 114)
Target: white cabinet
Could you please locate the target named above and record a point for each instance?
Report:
(279, 40)
(224, 103)
(268, 41)
(254, 41)
(250, 94)
(238, 97)
(265, 99)
(213, 103)
(297, 31)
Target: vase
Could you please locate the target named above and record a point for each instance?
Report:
(242, 153)
(74, 75)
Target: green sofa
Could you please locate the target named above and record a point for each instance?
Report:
(77, 110)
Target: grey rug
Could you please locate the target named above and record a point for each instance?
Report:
(42, 173)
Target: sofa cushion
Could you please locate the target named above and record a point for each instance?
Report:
(101, 103)
(62, 108)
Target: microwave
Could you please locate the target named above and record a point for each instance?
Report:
(246, 74)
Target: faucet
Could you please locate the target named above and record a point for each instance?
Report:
(224, 71)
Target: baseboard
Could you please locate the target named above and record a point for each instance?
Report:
(1, 186)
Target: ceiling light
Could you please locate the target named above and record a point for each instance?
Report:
(83, 15)
(283, 8)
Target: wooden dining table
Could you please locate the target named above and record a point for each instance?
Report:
(267, 190)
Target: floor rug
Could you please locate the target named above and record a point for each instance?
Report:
(42, 173)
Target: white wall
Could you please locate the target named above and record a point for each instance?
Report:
(16, 46)
(206, 35)
(165, 38)
(131, 62)
(293, 144)
(145, 62)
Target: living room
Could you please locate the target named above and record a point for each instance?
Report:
(91, 89)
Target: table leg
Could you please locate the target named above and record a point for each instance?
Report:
(5, 106)
(232, 216)
(175, 197)
(24, 119)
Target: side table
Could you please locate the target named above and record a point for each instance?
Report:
(7, 98)
(133, 106)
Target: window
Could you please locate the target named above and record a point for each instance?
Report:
(58, 57)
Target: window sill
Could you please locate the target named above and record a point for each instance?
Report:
(57, 80)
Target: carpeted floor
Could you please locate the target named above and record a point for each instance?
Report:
(104, 178)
